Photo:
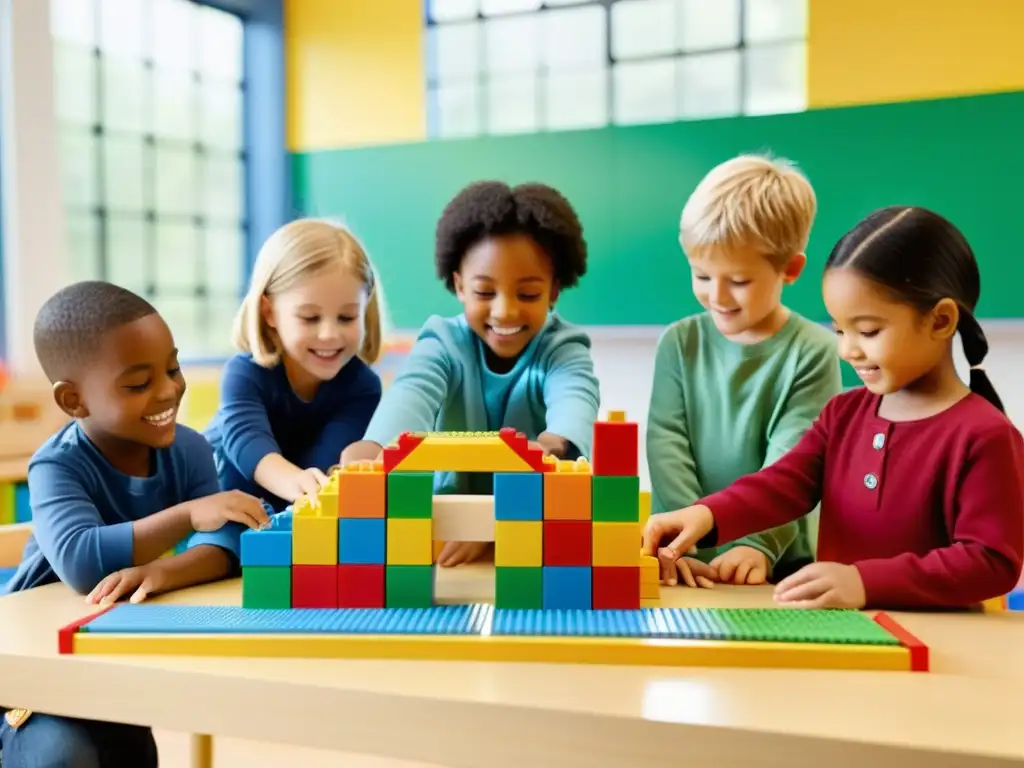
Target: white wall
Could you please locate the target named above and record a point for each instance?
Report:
(624, 360)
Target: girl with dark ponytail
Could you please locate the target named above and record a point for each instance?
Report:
(920, 477)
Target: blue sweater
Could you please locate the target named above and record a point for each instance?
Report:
(260, 414)
(445, 385)
(83, 508)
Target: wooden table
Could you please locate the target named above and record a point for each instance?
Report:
(966, 712)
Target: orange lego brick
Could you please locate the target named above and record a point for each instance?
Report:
(361, 492)
(567, 495)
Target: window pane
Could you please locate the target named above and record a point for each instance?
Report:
(574, 38)
(74, 83)
(223, 178)
(220, 45)
(126, 252)
(223, 255)
(643, 28)
(220, 317)
(576, 99)
(124, 95)
(73, 21)
(174, 34)
(182, 316)
(453, 10)
(511, 44)
(645, 91)
(82, 246)
(220, 115)
(512, 104)
(124, 173)
(458, 50)
(708, 24)
(770, 20)
(77, 154)
(176, 258)
(497, 7)
(123, 28)
(174, 105)
(709, 85)
(776, 79)
(176, 185)
(458, 110)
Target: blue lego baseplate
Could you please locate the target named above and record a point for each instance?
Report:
(753, 625)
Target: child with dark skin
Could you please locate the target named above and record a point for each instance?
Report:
(114, 490)
(508, 360)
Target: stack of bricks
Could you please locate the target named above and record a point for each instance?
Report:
(365, 542)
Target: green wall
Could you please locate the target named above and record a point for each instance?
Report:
(962, 157)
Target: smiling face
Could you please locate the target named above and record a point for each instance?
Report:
(891, 344)
(742, 291)
(506, 285)
(320, 323)
(127, 395)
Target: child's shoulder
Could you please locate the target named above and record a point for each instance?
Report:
(243, 365)
(978, 421)
(685, 328)
(189, 443)
(812, 335)
(68, 444)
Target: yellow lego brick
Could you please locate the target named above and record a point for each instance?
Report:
(7, 511)
(327, 499)
(616, 416)
(650, 591)
(650, 570)
(486, 453)
(314, 540)
(645, 507)
(519, 543)
(554, 650)
(579, 466)
(994, 605)
(650, 602)
(410, 541)
(616, 543)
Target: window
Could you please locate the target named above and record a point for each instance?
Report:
(512, 66)
(149, 103)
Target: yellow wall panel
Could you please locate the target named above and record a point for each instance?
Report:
(876, 51)
(354, 73)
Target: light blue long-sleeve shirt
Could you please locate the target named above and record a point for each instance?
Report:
(83, 508)
(446, 386)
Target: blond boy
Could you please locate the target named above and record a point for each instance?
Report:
(737, 385)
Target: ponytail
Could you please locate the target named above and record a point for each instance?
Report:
(372, 331)
(975, 348)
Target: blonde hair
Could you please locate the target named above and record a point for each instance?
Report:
(294, 252)
(750, 201)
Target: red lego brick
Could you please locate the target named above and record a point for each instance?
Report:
(517, 442)
(568, 542)
(314, 586)
(616, 587)
(66, 635)
(395, 454)
(919, 661)
(616, 448)
(360, 586)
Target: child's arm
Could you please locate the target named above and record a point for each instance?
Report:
(986, 551)
(411, 403)
(348, 425)
(571, 398)
(818, 381)
(674, 482)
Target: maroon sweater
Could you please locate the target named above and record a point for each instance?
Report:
(931, 512)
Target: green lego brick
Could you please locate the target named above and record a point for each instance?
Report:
(6, 503)
(615, 499)
(411, 494)
(267, 586)
(518, 587)
(409, 586)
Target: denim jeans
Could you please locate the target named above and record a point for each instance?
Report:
(48, 741)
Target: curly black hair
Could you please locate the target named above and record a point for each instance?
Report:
(492, 208)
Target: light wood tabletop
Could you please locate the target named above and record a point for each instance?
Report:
(966, 712)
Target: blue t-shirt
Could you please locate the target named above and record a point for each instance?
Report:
(83, 508)
(260, 414)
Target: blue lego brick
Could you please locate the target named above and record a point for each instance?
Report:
(280, 521)
(567, 587)
(1015, 600)
(361, 541)
(267, 547)
(518, 496)
(22, 506)
(6, 574)
(195, 619)
(845, 627)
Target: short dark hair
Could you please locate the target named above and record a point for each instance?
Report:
(920, 257)
(492, 209)
(70, 326)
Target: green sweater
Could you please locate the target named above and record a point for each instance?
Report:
(721, 410)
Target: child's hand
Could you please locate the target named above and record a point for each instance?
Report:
(694, 573)
(210, 513)
(141, 581)
(458, 552)
(308, 482)
(822, 585)
(742, 565)
(551, 444)
(682, 529)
